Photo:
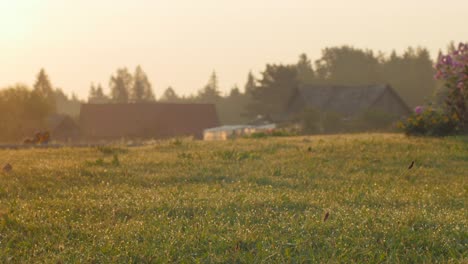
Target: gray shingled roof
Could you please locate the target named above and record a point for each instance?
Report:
(348, 100)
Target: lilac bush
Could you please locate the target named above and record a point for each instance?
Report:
(453, 117)
(453, 70)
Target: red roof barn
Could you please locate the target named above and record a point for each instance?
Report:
(145, 120)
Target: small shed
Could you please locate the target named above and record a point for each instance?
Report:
(232, 131)
(224, 132)
(63, 128)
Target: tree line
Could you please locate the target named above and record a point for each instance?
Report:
(409, 73)
(127, 88)
(124, 88)
(26, 110)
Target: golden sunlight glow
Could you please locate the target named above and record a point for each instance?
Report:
(167, 37)
(17, 19)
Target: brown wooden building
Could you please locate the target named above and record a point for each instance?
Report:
(145, 120)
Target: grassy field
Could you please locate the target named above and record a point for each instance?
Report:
(247, 200)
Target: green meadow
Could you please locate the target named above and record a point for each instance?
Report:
(259, 200)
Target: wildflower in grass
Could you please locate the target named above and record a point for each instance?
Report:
(418, 109)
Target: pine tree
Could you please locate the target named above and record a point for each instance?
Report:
(276, 88)
(250, 85)
(96, 95)
(305, 73)
(100, 94)
(120, 86)
(74, 97)
(141, 90)
(169, 95)
(92, 93)
(210, 93)
(43, 87)
(235, 92)
(411, 75)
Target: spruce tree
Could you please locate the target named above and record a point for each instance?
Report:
(120, 86)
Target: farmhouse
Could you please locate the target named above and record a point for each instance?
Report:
(348, 101)
(145, 120)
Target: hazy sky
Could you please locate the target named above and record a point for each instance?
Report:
(180, 42)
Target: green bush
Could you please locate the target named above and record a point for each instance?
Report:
(274, 133)
(257, 135)
(430, 122)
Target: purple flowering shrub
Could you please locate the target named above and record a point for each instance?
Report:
(453, 69)
(453, 117)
